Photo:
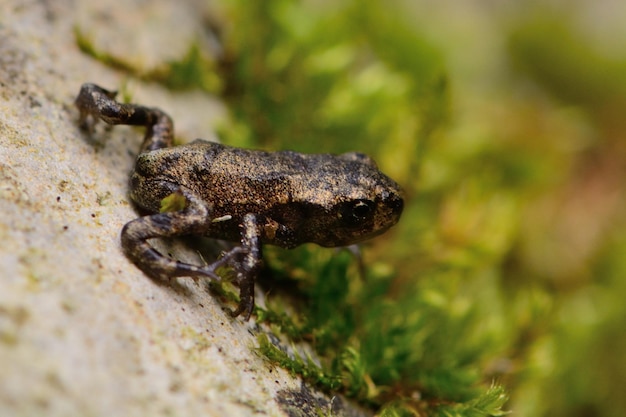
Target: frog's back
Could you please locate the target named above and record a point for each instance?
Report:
(261, 165)
(201, 162)
(305, 193)
(233, 180)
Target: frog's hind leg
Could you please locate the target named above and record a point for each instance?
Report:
(94, 102)
(190, 220)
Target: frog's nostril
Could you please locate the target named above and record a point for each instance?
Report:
(396, 203)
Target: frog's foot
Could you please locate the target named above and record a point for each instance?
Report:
(246, 296)
(136, 233)
(88, 102)
(230, 258)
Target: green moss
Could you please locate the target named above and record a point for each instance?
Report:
(297, 365)
(173, 202)
(490, 403)
(85, 44)
(193, 70)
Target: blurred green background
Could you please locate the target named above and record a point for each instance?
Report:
(502, 287)
(504, 122)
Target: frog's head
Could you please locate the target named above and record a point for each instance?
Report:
(354, 201)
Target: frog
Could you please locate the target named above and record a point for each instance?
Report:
(251, 197)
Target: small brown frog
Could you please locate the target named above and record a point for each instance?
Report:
(255, 197)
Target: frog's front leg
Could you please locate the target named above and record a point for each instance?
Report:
(192, 220)
(248, 269)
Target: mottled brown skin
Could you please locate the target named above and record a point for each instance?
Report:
(255, 197)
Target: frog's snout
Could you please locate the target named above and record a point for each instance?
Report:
(396, 203)
(393, 205)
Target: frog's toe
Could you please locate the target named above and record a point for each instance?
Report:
(207, 272)
(245, 307)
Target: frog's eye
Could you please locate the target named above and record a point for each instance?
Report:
(356, 212)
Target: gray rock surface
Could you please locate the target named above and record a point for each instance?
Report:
(83, 332)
